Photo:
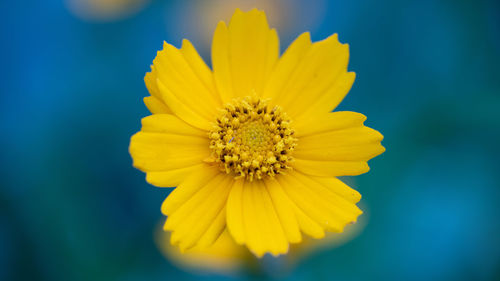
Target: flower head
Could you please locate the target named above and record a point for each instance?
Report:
(252, 146)
(251, 140)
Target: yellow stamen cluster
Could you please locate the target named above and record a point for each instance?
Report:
(251, 140)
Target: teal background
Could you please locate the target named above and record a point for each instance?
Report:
(72, 207)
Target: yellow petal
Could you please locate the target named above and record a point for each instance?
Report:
(326, 122)
(284, 210)
(179, 76)
(186, 79)
(305, 201)
(311, 78)
(337, 186)
(234, 213)
(263, 230)
(155, 102)
(191, 221)
(156, 106)
(270, 223)
(341, 138)
(183, 111)
(148, 161)
(167, 149)
(261, 216)
(329, 100)
(196, 180)
(199, 67)
(286, 65)
(220, 62)
(214, 231)
(187, 205)
(353, 152)
(327, 209)
(170, 178)
(336, 144)
(307, 225)
(170, 124)
(253, 235)
(343, 208)
(243, 54)
(162, 152)
(331, 168)
(150, 81)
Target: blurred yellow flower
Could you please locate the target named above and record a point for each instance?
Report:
(104, 10)
(224, 256)
(253, 146)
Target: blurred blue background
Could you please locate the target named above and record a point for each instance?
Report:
(74, 208)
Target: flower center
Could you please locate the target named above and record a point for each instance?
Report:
(251, 140)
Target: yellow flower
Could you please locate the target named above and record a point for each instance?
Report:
(253, 146)
(105, 10)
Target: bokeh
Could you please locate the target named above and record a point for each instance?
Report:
(73, 207)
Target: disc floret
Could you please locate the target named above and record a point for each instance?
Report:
(251, 140)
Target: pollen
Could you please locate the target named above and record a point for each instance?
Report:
(251, 140)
